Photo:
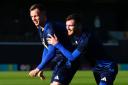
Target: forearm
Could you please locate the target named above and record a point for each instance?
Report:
(49, 54)
(71, 56)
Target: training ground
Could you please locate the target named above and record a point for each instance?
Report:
(81, 78)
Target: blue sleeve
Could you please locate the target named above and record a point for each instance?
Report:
(48, 54)
(68, 54)
(76, 53)
(49, 50)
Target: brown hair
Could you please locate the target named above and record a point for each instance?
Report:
(78, 20)
(37, 6)
(74, 16)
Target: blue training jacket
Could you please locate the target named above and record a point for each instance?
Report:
(49, 50)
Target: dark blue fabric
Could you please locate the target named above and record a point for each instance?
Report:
(102, 83)
(81, 44)
(48, 55)
(49, 50)
(105, 71)
(64, 74)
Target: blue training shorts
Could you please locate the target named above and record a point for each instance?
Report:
(64, 74)
(105, 71)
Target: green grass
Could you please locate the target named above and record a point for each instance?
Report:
(81, 78)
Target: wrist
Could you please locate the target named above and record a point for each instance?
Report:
(37, 70)
(57, 45)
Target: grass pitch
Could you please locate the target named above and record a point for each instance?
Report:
(81, 78)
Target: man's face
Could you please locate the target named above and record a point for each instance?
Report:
(70, 26)
(36, 17)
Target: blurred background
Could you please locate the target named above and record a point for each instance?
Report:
(20, 46)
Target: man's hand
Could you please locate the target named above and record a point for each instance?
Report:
(33, 73)
(41, 75)
(52, 39)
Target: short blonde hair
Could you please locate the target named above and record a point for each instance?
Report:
(37, 6)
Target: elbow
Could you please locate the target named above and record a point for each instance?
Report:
(71, 58)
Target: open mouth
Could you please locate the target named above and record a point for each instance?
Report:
(69, 30)
(35, 22)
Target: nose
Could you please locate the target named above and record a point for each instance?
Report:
(33, 18)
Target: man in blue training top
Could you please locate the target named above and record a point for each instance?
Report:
(45, 28)
(86, 43)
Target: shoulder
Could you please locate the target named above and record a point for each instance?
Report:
(86, 35)
(48, 25)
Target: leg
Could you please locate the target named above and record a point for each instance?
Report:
(105, 72)
(55, 83)
(63, 75)
(108, 75)
(97, 77)
(100, 80)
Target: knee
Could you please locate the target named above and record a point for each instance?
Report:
(55, 83)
